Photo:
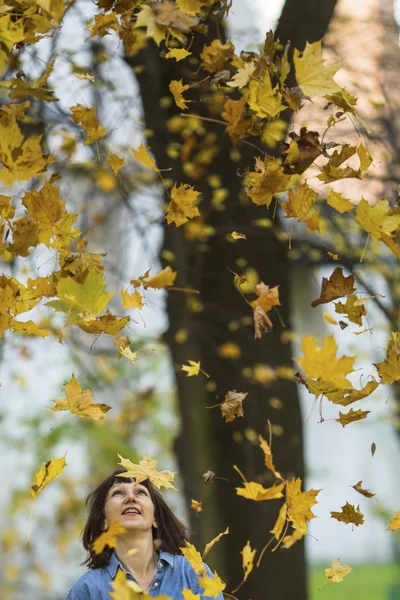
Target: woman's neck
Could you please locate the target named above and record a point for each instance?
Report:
(141, 563)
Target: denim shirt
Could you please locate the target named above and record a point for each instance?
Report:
(174, 573)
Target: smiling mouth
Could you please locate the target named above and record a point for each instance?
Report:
(131, 511)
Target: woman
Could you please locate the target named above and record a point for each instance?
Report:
(157, 566)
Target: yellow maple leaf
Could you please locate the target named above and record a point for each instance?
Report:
(280, 522)
(146, 469)
(299, 505)
(352, 416)
(46, 208)
(192, 369)
(242, 77)
(352, 309)
(183, 204)
(394, 523)
(290, 540)
(124, 588)
(389, 369)
(124, 349)
(299, 203)
(177, 89)
(108, 537)
(216, 56)
(116, 163)
(163, 279)
(248, 554)
(80, 402)
(194, 557)
(47, 472)
(255, 491)
(132, 301)
(312, 76)
(103, 24)
(378, 219)
(212, 586)
(337, 572)
(87, 119)
(265, 100)
(322, 363)
(107, 323)
(144, 157)
(268, 460)
(214, 541)
(28, 328)
(146, 18)
(349, 514)
(335, 287)
(189, 595)
(177, 53)
(196, 506)
(336, 200)
(191, 7)
(232, 406)
(358, 487)
(268, 180)
(237, 236)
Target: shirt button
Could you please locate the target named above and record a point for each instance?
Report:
(156, 584)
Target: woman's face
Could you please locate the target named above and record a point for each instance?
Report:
(131, 504)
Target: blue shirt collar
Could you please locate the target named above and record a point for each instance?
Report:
(114, 562)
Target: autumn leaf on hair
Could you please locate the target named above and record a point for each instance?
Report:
(352, 416)
(87, 119)
(337, 572)
(192, 369)
(144, 157)
(255, 491)
(146, 469)
(335, 287)
(232, 406)
(183, 204)
(268, 460)
(47, 472)
(377, 220)
(80, 402)
(108, 537)
(394, 524)
(299, 504)
(163, 279)
(212, 586)
(349, 514)
(358, 487)
(194, 557)
(177, 89)
(312, 76)
(214, 541)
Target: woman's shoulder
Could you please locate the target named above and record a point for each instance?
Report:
(91, 581)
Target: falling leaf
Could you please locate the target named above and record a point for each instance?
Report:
(177, 53)
(194, 557)
(214, 541)
(124, 349)
(373, 448)
(349, 514)
(242, 77)
(328, 319)
(322, 362)
(335, 287)
(216, 56)
(189, 595)
(132, 301)
(183, 205)
(267, 180)
(144, 157)
(85, 76)
(237, 236)
(80, 403)
(47, 472)
(353, 310)
(107, 323)
(108, 537)
(146, 469)
(116, 163)
(103, 24)
(196, 506)
(299, 203)
(264, 100)
(232, 406)
(124, 588)
(269, 463)
(290, 540)
(339, 203)
(358, 487)
(299, 504)
(312, 76)
(177, 89)
(377, 220)
(192, 369)
(389, 369)
(163, 279)
(212, 586)
(267, 299)
(337, 572)
(280, 522)
(394, 524)
(87, 119)
(229, 350)
(352, 416)
(255, 491)
(208, 476)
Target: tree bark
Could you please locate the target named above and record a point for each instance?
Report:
(219, 314)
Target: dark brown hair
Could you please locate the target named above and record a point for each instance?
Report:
(171, 532)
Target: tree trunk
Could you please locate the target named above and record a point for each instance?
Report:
(219, 314)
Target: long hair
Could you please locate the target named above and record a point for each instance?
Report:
(170, 533)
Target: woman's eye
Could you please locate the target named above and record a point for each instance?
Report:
(116, 492)
(141, 492)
